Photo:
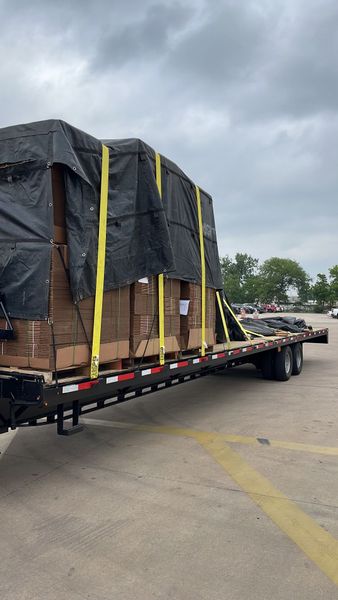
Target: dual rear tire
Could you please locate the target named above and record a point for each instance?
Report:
(281, 365)
(297, 355)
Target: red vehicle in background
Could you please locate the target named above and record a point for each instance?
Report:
(270, 308)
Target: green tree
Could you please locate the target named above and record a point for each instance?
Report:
(252, 289)
(239, 276)
(245, 266)
(230, 280)
(278, 276)
(334, 284)
(321, 291)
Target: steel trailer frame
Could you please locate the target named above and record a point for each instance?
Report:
(26, 400)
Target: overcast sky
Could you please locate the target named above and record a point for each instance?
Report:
(242, 94)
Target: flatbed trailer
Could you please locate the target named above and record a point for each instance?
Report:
(27, 399)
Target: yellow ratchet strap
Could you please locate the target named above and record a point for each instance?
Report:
(101, 258)
(160, 277)
(201, 236)
(220, 306)
(237, 320)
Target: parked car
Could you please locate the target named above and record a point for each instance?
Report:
(258, 307)
(249, 308)
(270, 308)
(236, 308)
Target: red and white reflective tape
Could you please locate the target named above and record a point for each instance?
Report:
(112, 379)
(78, 387)
(219, 355)
(200, 359)
(179, 365)
(123, 377)
(247, 349)
(151, 371)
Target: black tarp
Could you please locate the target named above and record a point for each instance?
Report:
(180, 206)
(258, 326)
(146, 235)
(235, 332)
(291, 324)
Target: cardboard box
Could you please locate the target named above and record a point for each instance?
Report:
(191, 323)
(68, 357)
(33, 345)
(151, 347)
(144, 319)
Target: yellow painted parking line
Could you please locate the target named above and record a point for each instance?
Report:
(233, 439)
(181, 432)
(298, 446)
(315, 542)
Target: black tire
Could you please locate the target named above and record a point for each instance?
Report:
(267, 365)
(283, 364)
(297, 358)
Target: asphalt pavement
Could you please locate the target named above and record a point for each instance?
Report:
(225, 488)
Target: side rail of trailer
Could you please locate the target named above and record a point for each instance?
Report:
(27, 400)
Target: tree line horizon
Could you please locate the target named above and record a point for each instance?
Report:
(246, 279)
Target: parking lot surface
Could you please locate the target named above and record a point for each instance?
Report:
(225, 488)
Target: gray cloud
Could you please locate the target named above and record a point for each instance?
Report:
(142, 39)
(243, 95)
(224, 50)
(300, 78)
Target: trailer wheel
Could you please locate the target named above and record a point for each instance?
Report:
(297, 358)
(283, 364)
(267, 365)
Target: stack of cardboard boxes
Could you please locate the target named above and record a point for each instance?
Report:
(144, 328)
(65, 338)
(191, 322)
(130, 323)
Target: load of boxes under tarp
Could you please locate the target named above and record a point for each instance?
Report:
(157, 235)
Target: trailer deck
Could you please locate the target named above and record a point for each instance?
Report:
(26, 399)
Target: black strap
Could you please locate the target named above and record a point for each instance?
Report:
(76, 305)
(146, 346)
(54, 353)
(6, 334)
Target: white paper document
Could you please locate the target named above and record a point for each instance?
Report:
(184, 307)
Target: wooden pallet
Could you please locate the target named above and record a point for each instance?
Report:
(132, 363)
(69, 374)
